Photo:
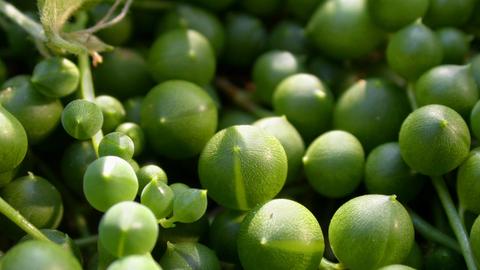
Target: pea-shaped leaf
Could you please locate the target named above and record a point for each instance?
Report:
(280, 234)
(149, 173)
(109, 180)
(43, 254)
(242, 166)
(344, 29)
(135, 132)
(189, 255)
(56, 77)
(159, 197)
(38, 114)
(128, 228)
(143, 262)
(371, 231)
(189, 205)
(116, 144)
(81, 119)
(13, 141)
(182, 54)
(434, 140)
(36, 199)
(178, 118)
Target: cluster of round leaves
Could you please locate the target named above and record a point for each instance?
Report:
(244, 167)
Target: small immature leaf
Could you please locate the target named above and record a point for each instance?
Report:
(189, 205)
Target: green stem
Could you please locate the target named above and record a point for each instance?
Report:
(454, 219)
(87, 91)
(167, 223)
(328, 265)
(411, 96)
(431, 233)
(21, 222)
(86, 241)
(32, 27)
(241, 99)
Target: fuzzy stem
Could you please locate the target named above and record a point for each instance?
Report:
(32, 27)
(241, 99)
(12, 214)
(149, 5)
(433, 234)
(454, 220)
(87, 91)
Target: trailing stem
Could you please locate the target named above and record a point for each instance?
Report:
(455, 222)
(87, 91)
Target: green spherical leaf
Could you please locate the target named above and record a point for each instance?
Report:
(343, 29)
(475, 238)
(116, 144)
(231, 117)
(36, 199)
(475, 64)
(123, 74)
(56, 77)
(302, 9)
(44, 255)
(182, 55)
(449, 85)
(159, 198)
(224, 232)
(270, 69)
(413, 50)
(449, 12)
(109, 180)
(468, 186)
(82, 119)
(288, 36)
(133, 107)
(455, 44)
(74, 163)
(371, 231)
(112, 110)
(245, 38)
(149, 173)
(189, 205)
(290, 139)
(191, 17)
(434, 140)
(13, 141)
(135, 132)
(128, 228)
(60, 238)
(306, 102)
(242, 166)
(386, 173)
(281, 234)
(38, 114)
(475, 120)
(395, 14)
(373, 110)
(189, 255)
(178, 118)
(334, 164)
(137, 262)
